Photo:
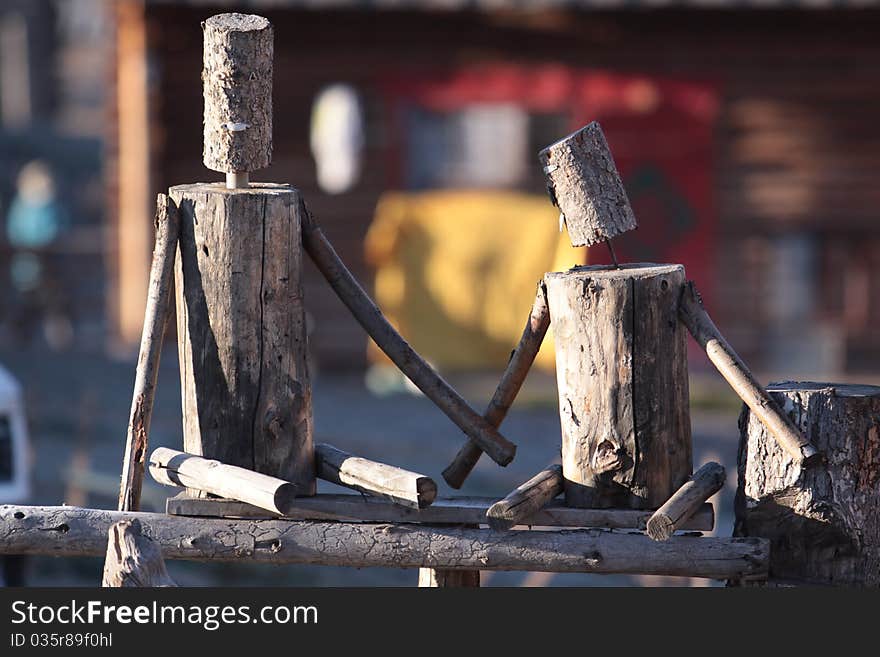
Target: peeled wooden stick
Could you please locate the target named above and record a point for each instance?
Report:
(397, 349)
(400, 486)
(173, 468)
(155, 320)
(511, 381)
(743, 382)
(686, 501)
(526, 499)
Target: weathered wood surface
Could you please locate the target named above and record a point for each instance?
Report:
(686, 501)
(451, 510)
(443, 578)
(72, 531)
(522, 503)
(387, 481)
(132, 559)
(508, 387)
(172, 468)
(155, 320)
(398, 350)
(433, 578)
(237, 83)
(740, 378)
(621, 371)
(584, 183)
(247, 399)
(824, 521)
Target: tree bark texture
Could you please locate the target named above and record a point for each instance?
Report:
(823, 521)
(247, 399)
(583, 181)
(237, 84)
(72, 531)
(621, 368)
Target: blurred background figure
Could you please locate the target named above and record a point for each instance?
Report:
(34, 222)
(14, 466)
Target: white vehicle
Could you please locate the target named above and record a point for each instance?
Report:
(14, 471)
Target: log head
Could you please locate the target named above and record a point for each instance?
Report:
(583, 182)
(237, 85)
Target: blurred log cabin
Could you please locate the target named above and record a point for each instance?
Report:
(747, 133)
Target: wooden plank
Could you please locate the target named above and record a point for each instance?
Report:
(73, 531)
(173, 468)
(455, 510)
(396, 485)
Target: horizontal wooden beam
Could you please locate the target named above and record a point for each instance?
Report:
(73, 531)
(455, 511)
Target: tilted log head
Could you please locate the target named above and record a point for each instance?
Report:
(584, 183)
(237, 84)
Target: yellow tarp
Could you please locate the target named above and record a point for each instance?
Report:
(456, 271)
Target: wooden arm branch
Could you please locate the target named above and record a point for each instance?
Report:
(173, 468)
(518, 366)
(525, 500)
(686, 501)
(155, 320)
(397, 349)
(397, 485)
(743, 382)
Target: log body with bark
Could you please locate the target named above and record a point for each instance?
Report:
(247, 399)
(823, 521)
(621, 369)
(72, 531)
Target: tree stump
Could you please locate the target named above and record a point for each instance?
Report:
(241, 329)
(621, 367)
(823, 521)
(133, 559)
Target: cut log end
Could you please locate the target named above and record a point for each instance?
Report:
(426, 492)
(660, 527)
(235, 22)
